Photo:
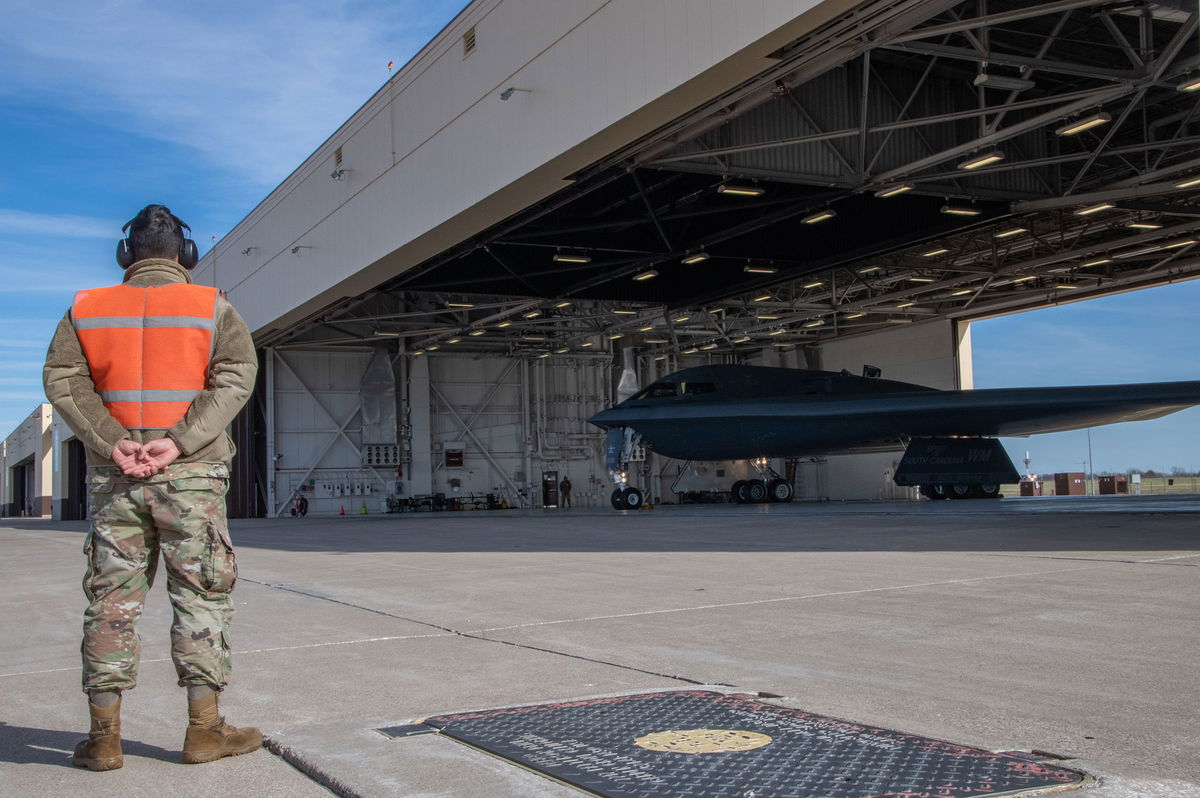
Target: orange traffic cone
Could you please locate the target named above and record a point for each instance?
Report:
(342, 510)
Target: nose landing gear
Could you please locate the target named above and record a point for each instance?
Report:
(626, 498)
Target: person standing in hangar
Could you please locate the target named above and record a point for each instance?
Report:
(148, 374)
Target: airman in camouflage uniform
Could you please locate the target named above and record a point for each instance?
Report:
(155, 491)
(187, 506)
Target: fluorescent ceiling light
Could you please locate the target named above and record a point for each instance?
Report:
(432, 347)
(921, 279)
(777, 331)
(418, 353)
(858, 314)
(741, 190)
(646, 275)
(572, 257)
(760, 269)
(1066, 286)
(453, 340)
(1195, 181)
(1096, 262)
(385, 334)
(1139, 225)
(459, 305)
(816, 323)
(533, 314)
(696, 257)
(892, 191)
(647, 328)
(899, 321)
(815, 284)
(564, 304)
(621, 312)
(1191, 84)
(1177, 244)
(903, 305)
(615, 336)
(981, 160)
(1025, 279)
(504, 324)
(766, 317)
(745, 339)
(819, 216)
(563, 350)
(963, 292)
(762, 298)
(1087, 123)
(961, 210)
(681, 319)
(691, 351)
(709, 346)
(534, 337)
(657, 341)
(1002, 82)
(1103, 206)
(931, 253)
(543, 354)
(1012, 232)
(477, 332)
(587, 344)
(661, 357)
(869, 269)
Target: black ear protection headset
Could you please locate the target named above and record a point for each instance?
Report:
(189, 256)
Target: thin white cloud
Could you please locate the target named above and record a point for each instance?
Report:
(59, 225)
(253, 87)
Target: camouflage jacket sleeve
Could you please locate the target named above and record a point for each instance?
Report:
(69, 387)
(232, 372)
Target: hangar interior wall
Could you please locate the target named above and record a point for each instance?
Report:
(512, 419)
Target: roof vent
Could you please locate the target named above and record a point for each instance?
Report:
(468, 41)
(337, 157)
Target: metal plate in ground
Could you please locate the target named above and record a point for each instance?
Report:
(702, 743)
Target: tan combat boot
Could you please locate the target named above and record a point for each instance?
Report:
(209, 737)
(102, 749)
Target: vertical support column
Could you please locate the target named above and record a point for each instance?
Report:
(43, 462)
(421, 467)
(269, 409)
(60, 488)
(526, 438)
(963, 361)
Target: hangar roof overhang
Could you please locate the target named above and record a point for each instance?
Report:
(908, 161)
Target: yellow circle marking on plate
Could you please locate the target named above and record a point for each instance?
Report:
(702, 741)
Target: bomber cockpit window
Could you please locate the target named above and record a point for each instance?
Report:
(659, 390)
(692, 388)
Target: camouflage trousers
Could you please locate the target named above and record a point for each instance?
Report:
(180, 513)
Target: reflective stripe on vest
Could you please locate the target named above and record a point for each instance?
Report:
(148, 348)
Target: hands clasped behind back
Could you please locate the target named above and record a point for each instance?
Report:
(143, 460)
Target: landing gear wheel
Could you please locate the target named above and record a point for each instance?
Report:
(779, 490)
(988, 490)
(934, 492)
(756, 491)
(616, 499)
(960, 491)
(631, 499)
(739, 491)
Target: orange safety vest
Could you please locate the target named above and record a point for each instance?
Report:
(148, 348)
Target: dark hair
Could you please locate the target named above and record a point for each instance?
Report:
(156, 233)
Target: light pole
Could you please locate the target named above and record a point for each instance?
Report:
(1089, 463)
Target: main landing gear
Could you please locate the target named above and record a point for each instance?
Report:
(769, 487)
(987, 490)
(626, 498)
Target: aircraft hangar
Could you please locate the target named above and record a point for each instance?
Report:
(551, 193)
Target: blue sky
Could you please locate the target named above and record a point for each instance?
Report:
(109, 105)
